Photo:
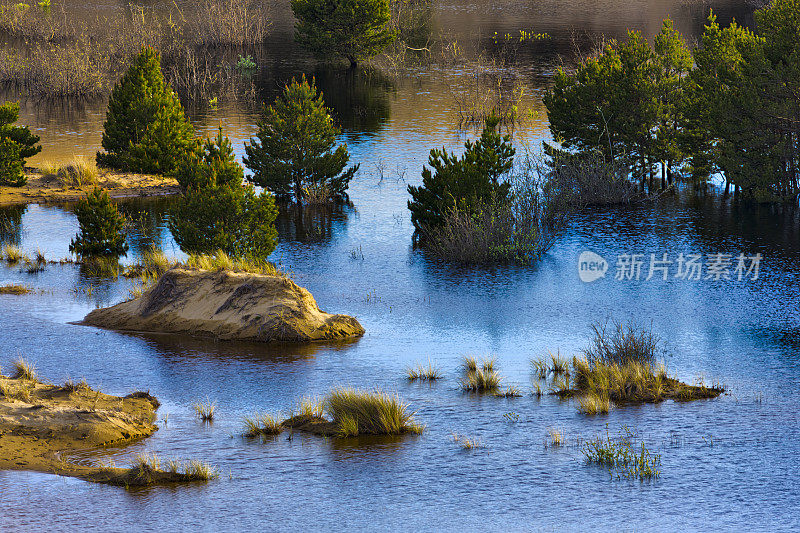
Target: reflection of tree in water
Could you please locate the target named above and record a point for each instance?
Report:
(146, 224)
(311, 223)
(11, 224)
(358, 100)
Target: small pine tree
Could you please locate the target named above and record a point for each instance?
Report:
(11, 164)
(462, 183)
(216, 212)
(102, 227)
(146, 129)
(293, 150)
(214, 162)
(355, 29)
(17, 143)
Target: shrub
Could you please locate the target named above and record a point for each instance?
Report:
(217, 212)
(624, 343)
(102, 227)
(462, 183)
(293, 152)
(353, 29)
(146, 129)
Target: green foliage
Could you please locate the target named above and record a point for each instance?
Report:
(355, 29)
(216, 212)
(146, 129)
(11, 164)
(17, 143)
(462, 183)
(214, 163)
(293, 152)
(102, 227)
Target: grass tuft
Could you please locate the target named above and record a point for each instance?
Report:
(356, 412)
(554, 439)
(480, 378)
(260, 424)
(509, 392)
(24, 370)
(468, 443)
(594, 404)
(424, 373)
(14, 289)
(222, 261)
(74, 386)
(79, 172)
(205, 410)
(12, 254)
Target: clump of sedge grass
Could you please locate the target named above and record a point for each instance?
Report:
(622, 343)
(509, 392)
(356, 412)
(467, 443)
(480, 378)
(147, 467)
(554, 438)
(594, 404)
(39, 257)
(12, 254)
(74, 386)
(205, 410)
(424, 373)
(78, 172)
(308, 407)
(24, 370)
(222, 261)
(260, 424)
(14, 289)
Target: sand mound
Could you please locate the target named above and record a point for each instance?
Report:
(227, 305)
(38, 420)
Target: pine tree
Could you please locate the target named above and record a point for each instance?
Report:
(464, 182)
(102, 227)
(293, 150)
(17, 143)
(355, 29)
(146, 129)
(11, 164)
(216, 212)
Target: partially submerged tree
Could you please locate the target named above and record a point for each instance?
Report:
(355, 29)
(461, 182)
(102, 227)
(217, 212)
(146, 129)
(293, 152)
(17, 143)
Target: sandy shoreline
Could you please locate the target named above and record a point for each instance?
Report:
(39, 420)
(42, 189)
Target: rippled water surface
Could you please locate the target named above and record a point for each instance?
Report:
(727, 463)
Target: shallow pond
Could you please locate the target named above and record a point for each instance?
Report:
(726, 463)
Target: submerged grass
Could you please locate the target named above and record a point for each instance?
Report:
(467, 443)
(146, 469)
(481, 377)
(14, 289)
(205, 410)
(621, 456)
(261, 424)
(424, 373)
(356, 412)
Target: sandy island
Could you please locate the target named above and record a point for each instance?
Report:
(49, 188)
(38, 421)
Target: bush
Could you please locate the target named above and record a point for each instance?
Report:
(353, 29)
(17, 143)
(292, 155)
(463, 183)
(218, 213)
(146, 129)
(102, 227)
(623, 344)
